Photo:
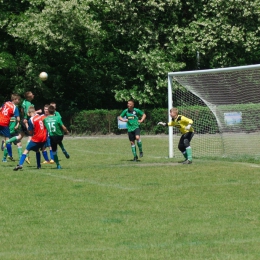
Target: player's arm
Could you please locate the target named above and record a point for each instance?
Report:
(17, 122)
(65, 130)
(30, 127)
(39, 111)
(187, 121)
(142, 118)
(122, 117)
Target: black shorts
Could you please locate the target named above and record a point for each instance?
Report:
(55, 140)
(24, 129)
(132, 135)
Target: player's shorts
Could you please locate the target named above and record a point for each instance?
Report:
(32, 146)
(132, 135)
(5, 131)
(24, 129)
(185, 141)
(48, 142)
(55, 140)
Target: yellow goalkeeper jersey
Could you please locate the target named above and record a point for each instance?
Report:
(181, 122)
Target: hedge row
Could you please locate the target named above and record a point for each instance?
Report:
(105, 121)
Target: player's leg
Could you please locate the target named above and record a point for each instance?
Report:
(19, 149)
(182, 148)
(186, 141)
(131, 136)
(64, 150)
(45, 155)
(5, 155)
(139, 142)
(55, 140)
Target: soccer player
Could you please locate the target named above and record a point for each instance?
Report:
(56, 113)
(184, 125)
(27, 103)
(131, 116)
(56, 130)
(14, 131)
(48, 142)
(8, 110)
(38, 133)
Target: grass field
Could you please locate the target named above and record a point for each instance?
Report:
(103, 206)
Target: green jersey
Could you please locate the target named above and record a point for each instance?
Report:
(132, 117)
(12, 125)
(53, 125)
(56, 113)
(25, 105)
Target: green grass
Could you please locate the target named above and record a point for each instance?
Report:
(103, 206)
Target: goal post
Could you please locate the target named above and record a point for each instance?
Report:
(224, 104)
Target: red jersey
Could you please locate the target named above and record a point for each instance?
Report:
(39, 130)
(8, 110)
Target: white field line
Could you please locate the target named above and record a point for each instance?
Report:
(107, 185)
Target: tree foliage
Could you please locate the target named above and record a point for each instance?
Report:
(101, 53)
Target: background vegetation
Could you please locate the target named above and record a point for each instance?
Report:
(100, 53)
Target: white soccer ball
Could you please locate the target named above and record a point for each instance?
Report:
(43, 76)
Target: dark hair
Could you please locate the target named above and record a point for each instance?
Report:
(131, 100)
(51, 110)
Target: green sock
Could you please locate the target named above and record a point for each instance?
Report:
(189, 153)
(5, 153)
(185, 155)
(19, 152)
(56, 159)
(11, 140)
(133, 150)
(140, 147)
(62, 147)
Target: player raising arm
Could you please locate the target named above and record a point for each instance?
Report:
(184, 125)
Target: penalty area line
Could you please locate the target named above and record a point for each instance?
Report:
(106, 185)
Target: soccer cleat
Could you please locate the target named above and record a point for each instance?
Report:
(187, 162)
(39, 167)
(11, 158)
(58, 167)
(45, 162)
(18, 167)
(135, 159)
(3, 145)
(51, 162)
(27, 159)
(66, 154)
(4, 160)
(141, 154)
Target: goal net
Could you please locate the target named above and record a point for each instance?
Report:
(225, 107)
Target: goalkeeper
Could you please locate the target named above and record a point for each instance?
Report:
(184, 125)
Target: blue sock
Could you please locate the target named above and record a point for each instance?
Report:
(9, 150)
(45, 155)
(38, 159)
(22, 159)
(51, 155)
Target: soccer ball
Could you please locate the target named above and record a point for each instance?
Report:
(43, 76)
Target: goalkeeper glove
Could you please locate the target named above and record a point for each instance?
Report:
(162, 123)
(188, 127)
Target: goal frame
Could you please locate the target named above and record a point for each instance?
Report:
(194, 72)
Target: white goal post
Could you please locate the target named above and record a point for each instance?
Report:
(229, 94)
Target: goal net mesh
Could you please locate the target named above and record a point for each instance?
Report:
(225, 108)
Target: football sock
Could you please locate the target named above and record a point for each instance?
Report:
(5, 153)
(19, 151)
(139, 144)
(38, 159)
(45, 155)
(56, 159)
(189, 153)
(11, 139)
(62, 147)
(185, 155)
(133, 150)
(51, 155)
(22, 159)
(9, 150)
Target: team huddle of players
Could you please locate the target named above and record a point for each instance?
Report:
(43, 130)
